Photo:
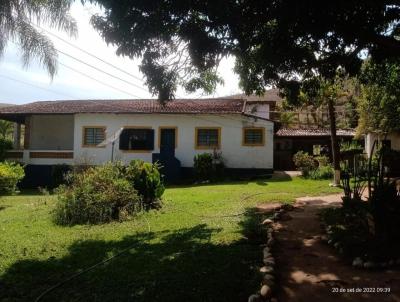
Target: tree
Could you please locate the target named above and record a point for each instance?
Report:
(379, 102)
(6, 129)
(319, 92)
(276, 43)
(279, 43)
(287, 119)
(16, 25)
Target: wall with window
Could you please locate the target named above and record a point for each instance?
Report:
(195, 134)
(51, 132)
(393, 139)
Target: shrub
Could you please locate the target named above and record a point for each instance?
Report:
(10, 175)
(322, 172)
(348, 228)
(58, 174)
(5, 145)
(208, 166)
(203, 166)
(353, 145)
(304, 162)
(323, 161)
(147, 180)
(96, 195)
(366, 229)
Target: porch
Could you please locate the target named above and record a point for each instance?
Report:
(43, 140)
(41, 157)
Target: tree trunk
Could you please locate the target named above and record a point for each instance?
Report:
(334, 142)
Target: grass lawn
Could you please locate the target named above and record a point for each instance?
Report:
(203, 245)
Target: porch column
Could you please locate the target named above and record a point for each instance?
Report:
(27, 132)
(17, 136)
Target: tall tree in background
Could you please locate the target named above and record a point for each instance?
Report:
(279, 43)
(379, 103)
(16, 25)
(318, 92)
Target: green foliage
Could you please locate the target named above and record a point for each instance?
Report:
(10, 175)
(322, 160)
(5, 145)
(6, 129)
(304, 162)
(313, 168)
(203, 166)
(379, 103)
(147, 180)
(274, 43)
(58, 174)
(186, 234)
(366, 228)
(354, 178)
(96, 195)
(208, 167)
(287, 119)
(17, 17)
(322, 172)
(206, 80)
(109, 192)
(349, 229)
(351, 146)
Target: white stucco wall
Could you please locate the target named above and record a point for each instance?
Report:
(234, 154)
(51, 132)
(394, 137)
(258, 109)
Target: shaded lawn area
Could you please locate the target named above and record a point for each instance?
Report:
(203, 245)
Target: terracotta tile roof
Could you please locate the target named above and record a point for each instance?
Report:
(189, 106)
(313, 132)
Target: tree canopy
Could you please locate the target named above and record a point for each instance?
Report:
(17, 20)
(379, 103)
(276, 43)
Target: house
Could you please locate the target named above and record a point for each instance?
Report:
(287, 142)
(267, 103)
(391, 140)
(92, 132)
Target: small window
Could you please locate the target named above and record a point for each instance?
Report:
(208, 138)
(92, 136)
(253, 136)
(136, 139)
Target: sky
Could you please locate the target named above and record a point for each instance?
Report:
(19, 85)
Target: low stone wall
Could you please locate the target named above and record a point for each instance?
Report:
(268, 284)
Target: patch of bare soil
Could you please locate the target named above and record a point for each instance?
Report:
(309, 269)
(269, 207)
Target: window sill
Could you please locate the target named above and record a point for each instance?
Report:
(207, 147)
(93, 146)
(136, 151)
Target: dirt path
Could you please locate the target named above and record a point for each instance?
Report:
(309, 270)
